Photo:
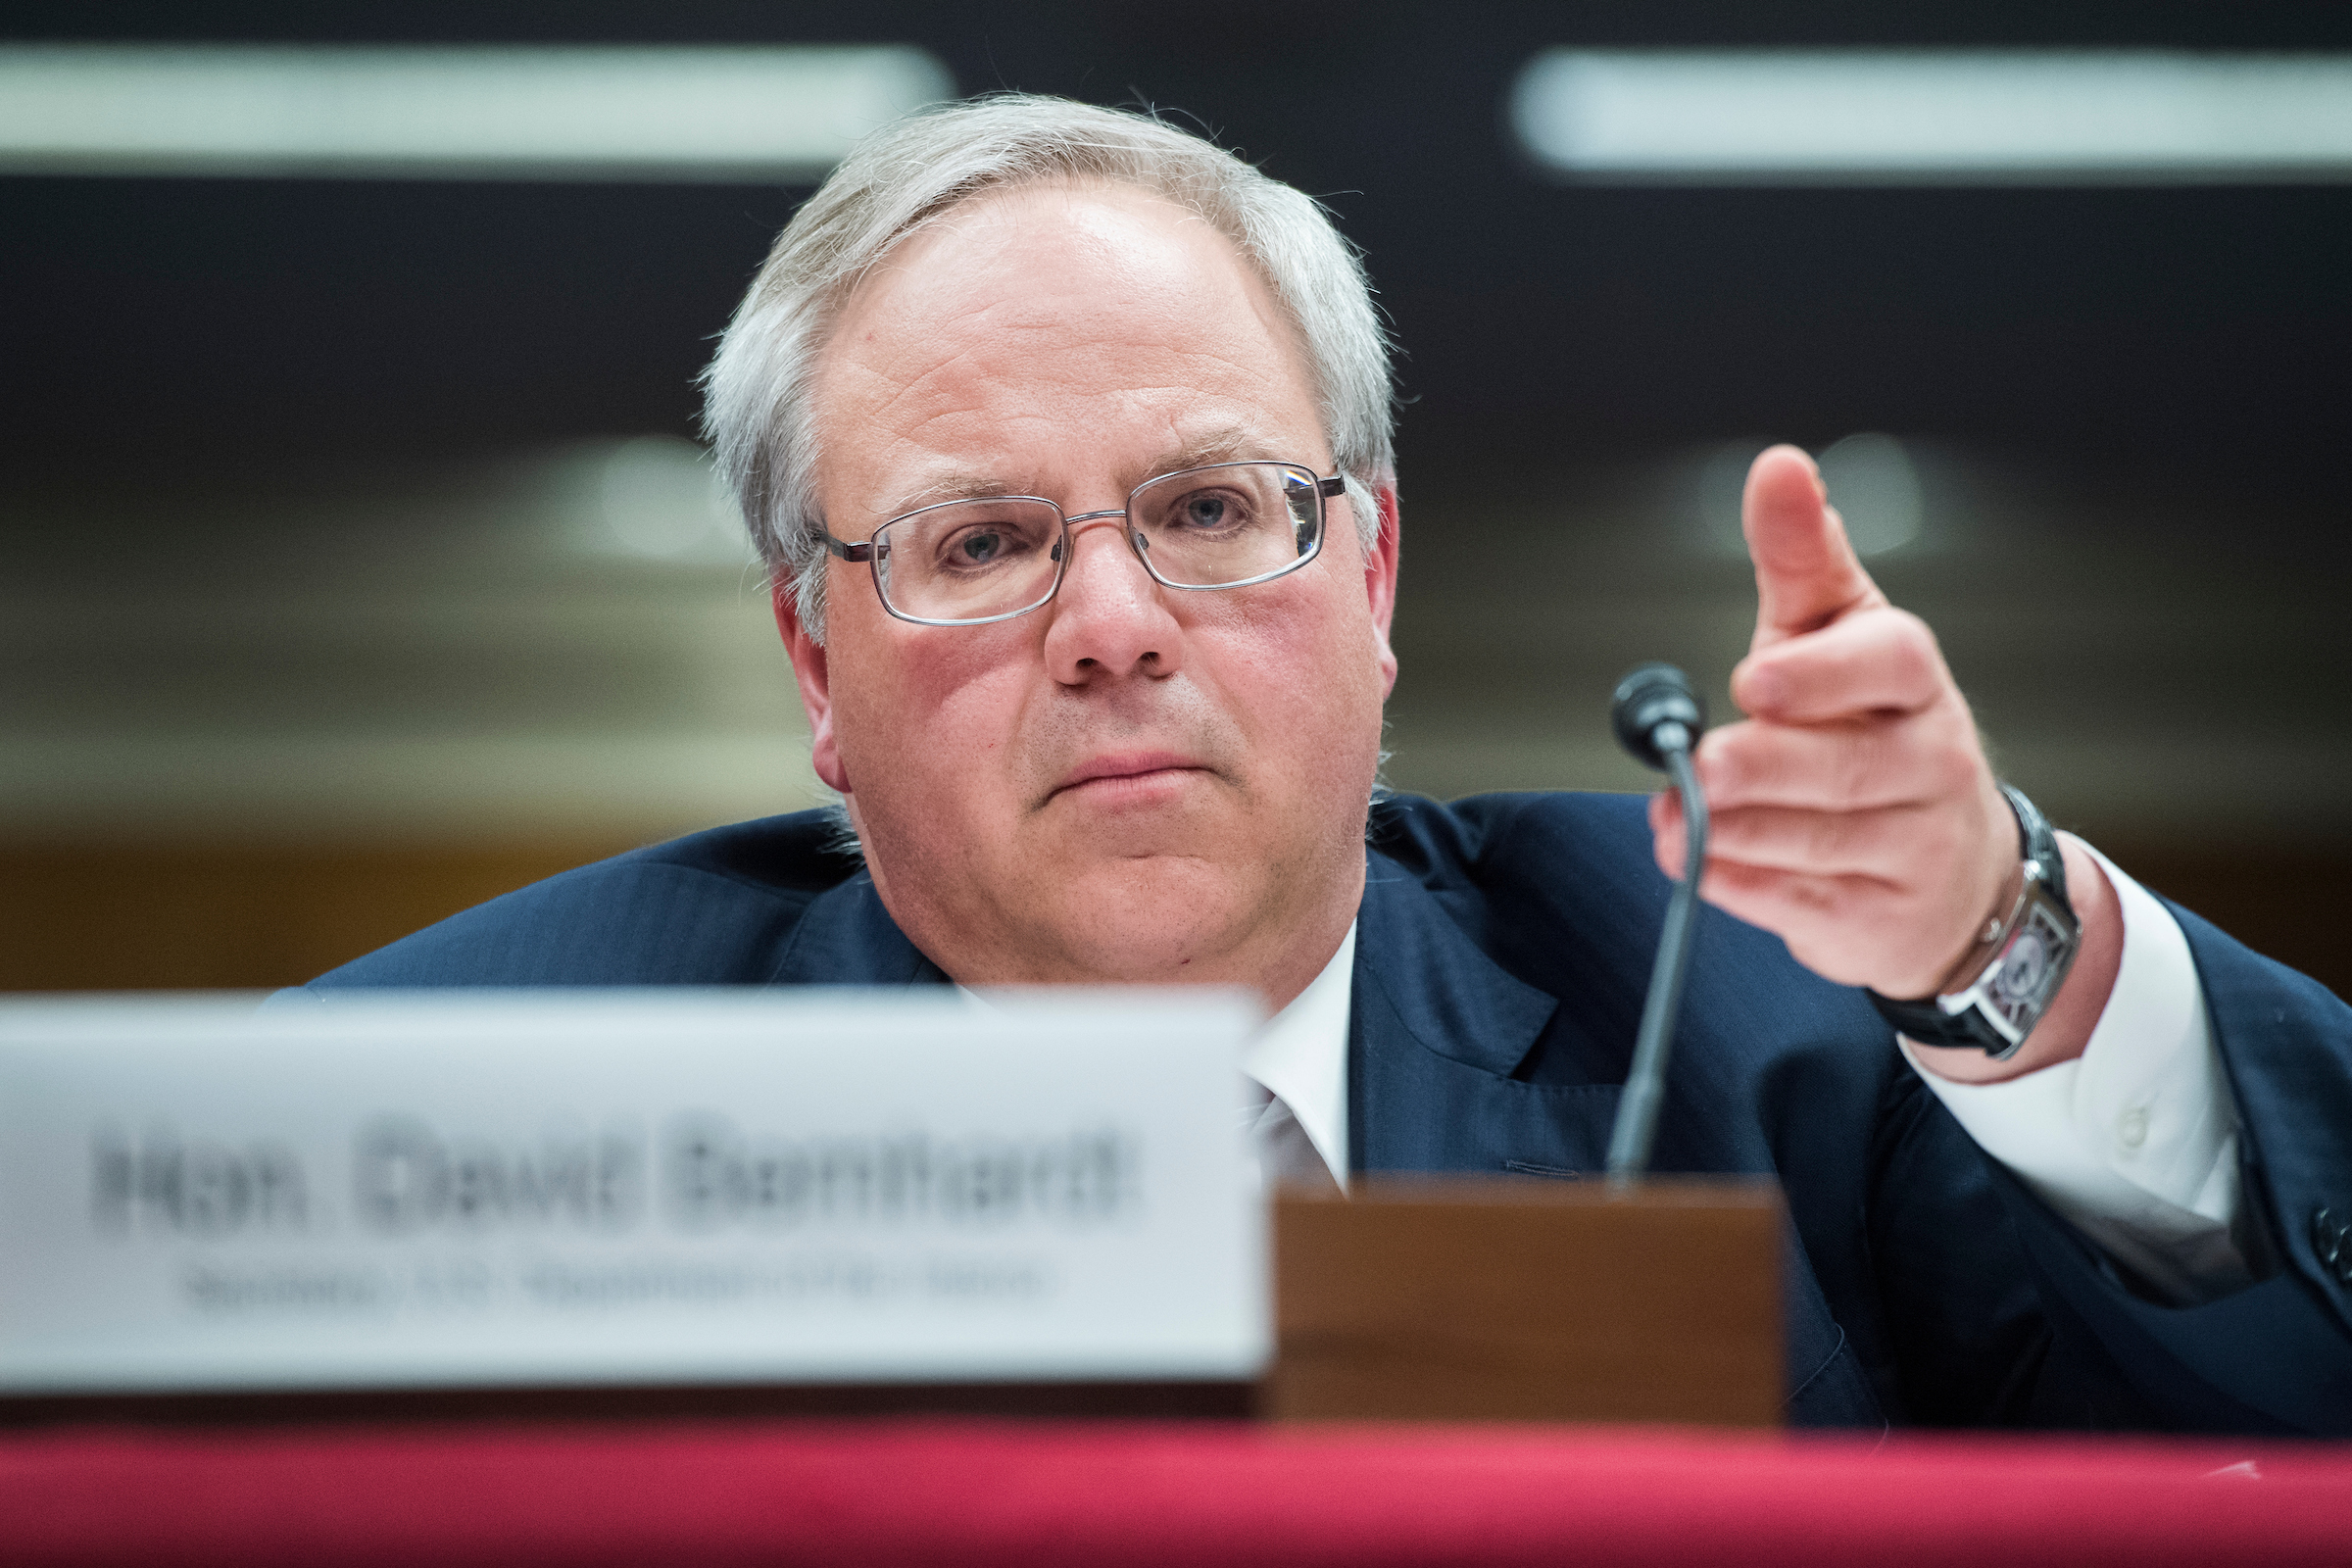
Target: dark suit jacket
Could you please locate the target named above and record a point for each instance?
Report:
(1503, 951)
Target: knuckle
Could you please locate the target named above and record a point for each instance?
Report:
(1834, 836)
(1860, 761)
(1734, 831)
(1912, 655)
(1952, 766)
(1909, 631)
(1722, 764)
(1921, 665)
(1815, 895)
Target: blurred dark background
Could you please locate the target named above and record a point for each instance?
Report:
(323, 612)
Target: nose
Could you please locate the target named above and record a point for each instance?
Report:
(1109, 618)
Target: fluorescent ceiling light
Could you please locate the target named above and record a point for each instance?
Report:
(1935, 116)
(750, 113)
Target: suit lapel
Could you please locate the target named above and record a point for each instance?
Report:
(1436, 1031)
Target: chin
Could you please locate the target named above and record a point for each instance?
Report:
(1157, 919)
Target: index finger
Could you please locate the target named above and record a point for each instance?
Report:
(1874, 660)
(1807, 574)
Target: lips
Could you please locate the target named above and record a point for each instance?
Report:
(1127, 772)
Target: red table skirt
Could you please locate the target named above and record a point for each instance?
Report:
(932, 1491)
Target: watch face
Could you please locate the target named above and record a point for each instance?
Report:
(2023, 965)
(2030, 969)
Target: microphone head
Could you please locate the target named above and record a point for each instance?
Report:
(1651, 694)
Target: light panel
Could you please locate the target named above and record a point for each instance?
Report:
(1935, 116)
(763, 115)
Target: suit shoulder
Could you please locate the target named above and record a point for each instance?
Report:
(714, 908)
(1491, 840)
(1564, 891)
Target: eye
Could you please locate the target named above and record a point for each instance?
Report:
(1208, 512)
(1204, 511)
(982, 544)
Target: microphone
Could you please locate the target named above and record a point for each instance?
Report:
(1650, 696)
(1658, 718)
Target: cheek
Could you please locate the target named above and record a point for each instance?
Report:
(1308, 675)
(915, 704)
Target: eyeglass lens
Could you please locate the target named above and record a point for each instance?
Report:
(1210, 527)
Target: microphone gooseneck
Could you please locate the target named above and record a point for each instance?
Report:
(1659, 719)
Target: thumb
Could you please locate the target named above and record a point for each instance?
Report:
(1807, 574)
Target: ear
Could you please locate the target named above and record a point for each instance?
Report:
(1380, 580)
(815, 678)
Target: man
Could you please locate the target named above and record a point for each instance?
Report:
(1067, 437)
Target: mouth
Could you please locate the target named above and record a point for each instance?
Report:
(1129, 777)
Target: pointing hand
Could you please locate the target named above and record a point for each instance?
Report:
(1854, 813)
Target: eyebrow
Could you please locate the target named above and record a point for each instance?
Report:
(1226, 445)
(1229, 444)
(954, 487)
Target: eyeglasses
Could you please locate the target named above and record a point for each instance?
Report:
(970, 562)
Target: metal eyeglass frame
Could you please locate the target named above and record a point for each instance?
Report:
(870, 551)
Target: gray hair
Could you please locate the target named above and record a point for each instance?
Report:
(756, 411)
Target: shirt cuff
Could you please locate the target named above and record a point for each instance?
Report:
(2134, 1142)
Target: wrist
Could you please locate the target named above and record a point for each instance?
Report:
(2066, 1027)
(1985, 940)
(2031, 951)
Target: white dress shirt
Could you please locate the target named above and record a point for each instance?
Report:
(1301, 1059)
(2134, 1142)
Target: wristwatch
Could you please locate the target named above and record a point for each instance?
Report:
(2029, 953)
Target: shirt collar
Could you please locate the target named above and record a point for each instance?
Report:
(1302, 1055)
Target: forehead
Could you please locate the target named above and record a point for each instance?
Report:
(1036, 333)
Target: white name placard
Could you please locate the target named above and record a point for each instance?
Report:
(547, 1188)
